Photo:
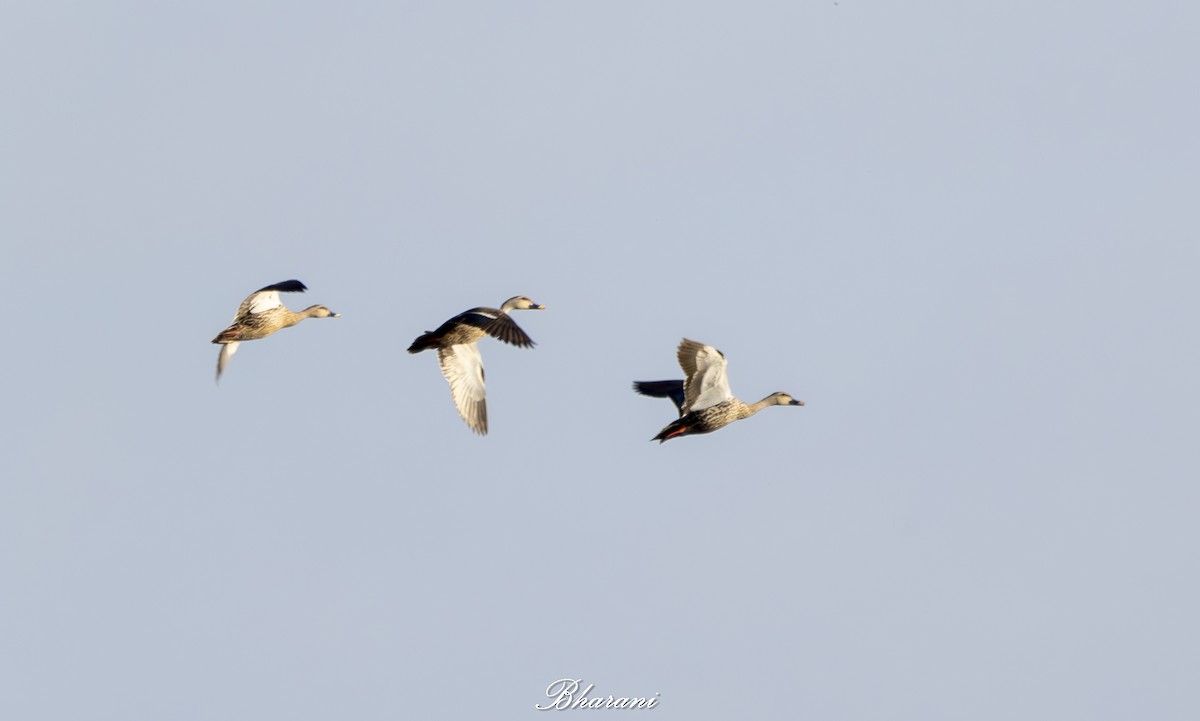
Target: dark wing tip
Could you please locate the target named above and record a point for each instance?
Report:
(287, 286)
(504, 328)
(644, 387)
(662, 389)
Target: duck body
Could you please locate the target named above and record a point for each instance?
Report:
(261, 314)
(713, 418)
(459, 358)
(471, 326)
(703, 399)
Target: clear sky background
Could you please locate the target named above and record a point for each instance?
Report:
(964, 233)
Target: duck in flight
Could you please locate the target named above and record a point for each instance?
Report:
(261, 314)
(703, 398)
(458, 354)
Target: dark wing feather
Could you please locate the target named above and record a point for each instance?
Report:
(496, 324)
(505, 329)
(662, 389)
(481, 318)
(287, 286)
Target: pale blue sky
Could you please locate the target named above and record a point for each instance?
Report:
(964, 234)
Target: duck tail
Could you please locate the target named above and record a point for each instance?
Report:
(676, 428)
(229, 335)
(425, 341)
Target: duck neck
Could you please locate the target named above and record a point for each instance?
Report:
(293, 317)
(759, 405)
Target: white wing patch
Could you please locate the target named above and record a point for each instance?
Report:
(463, 368)
(265, 301)
(709, 383)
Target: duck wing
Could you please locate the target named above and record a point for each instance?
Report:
(265, 299)
(227, 351)
(706, 384)
(662, 389)
(497, 324)
(463, 368)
